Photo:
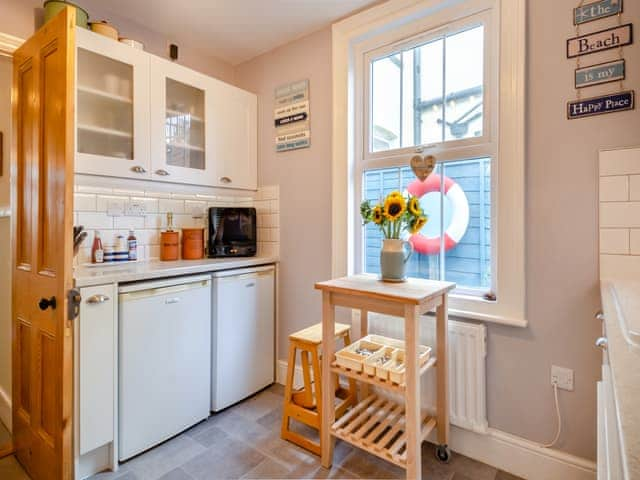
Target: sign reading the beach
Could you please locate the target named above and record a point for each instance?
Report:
(291, 116)
(596, 11)
(615, 37)
(617, 102)
(601, 73)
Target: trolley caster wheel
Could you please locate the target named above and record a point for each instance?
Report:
(443, 453)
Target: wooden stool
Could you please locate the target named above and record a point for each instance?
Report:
(305, 404)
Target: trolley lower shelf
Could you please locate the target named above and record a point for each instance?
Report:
(377, 425)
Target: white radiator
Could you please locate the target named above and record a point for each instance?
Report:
(467, 376)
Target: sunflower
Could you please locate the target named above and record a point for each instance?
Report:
(414, 207)
(376, 215)
(394, 206)
(418, 223)
(395, 193)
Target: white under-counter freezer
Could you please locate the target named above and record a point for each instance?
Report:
(243, 334)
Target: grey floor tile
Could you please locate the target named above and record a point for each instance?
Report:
(244, 442)
(472, 468)
(268, 468)
(176, 474)
(277, 389)
(121, 474)
(229, 461)
(5, 436)
(501, 475)
(259, 405)
(10, 469)
(166, 457)
(366, 465)
(334, 472)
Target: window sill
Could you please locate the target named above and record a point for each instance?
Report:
(476, 308)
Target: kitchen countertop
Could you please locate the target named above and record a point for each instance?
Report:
(623, 298)
(133, 272)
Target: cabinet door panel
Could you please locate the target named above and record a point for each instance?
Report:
(233, 126)
(97, 366)
(180, 142)
(112, 108)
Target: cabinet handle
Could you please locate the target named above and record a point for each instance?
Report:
(162, 172)
(97, 299)
(138, 169)
(600, 316)
(225, 179)
(602, 343)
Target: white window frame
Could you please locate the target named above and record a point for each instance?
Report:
(389, 23)
(445, 151)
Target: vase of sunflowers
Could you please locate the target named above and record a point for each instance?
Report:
(396, 216)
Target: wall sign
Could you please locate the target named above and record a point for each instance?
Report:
(615, 37)
(291, 116)
(596, 11)
(588, 107)
(600, 73)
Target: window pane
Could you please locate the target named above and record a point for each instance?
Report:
(468, 263)
(464, 81)
(463, 253)
(386, 100)
(428, 94)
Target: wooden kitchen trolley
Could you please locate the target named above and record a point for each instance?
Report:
(392, 431)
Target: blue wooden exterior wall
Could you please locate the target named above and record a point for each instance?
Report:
(469, 263)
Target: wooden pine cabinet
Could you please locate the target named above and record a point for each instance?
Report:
(112, 108)
(140, 116)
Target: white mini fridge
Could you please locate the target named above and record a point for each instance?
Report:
(243, 334)
(164, 360)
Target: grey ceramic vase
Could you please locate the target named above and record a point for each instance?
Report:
(393, 260)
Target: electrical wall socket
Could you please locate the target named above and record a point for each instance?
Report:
(563, 377)
(135, 209)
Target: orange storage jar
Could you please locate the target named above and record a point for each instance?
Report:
(192, 243)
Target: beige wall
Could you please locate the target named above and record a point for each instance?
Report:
(304, 175)
(21, 17)
(561, 219)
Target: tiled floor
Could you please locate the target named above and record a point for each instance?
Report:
(244, 442)
(10, 469)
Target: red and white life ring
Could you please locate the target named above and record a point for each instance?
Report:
(459, 221)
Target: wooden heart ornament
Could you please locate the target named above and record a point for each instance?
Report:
(423, 166)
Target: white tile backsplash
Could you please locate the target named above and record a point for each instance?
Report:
(614, 189)
(620, 213)
(92, 204)
(614, 241)
(625, 161)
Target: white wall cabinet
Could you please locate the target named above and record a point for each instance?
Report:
(112, 108)
(233, 126)
(97, 372)
(140, 116)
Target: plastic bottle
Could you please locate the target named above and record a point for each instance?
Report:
(132, 242)
(97, 252)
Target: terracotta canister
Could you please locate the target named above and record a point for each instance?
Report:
(169, 245)
(192, 243)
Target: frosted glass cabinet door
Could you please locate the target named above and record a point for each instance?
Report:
(179, 142)
(112, 108)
